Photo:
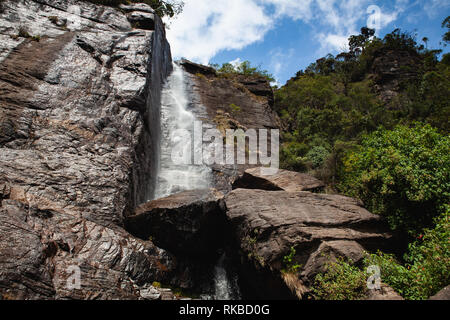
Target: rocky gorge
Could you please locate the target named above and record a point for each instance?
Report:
(81, 91)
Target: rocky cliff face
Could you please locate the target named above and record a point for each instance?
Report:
(230, 102)
(391, 69)
(80, 95)
(79, 132)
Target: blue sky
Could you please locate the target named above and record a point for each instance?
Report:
(284, 36)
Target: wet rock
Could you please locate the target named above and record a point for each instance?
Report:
(269, 224)
(283, 180)
(234, 102)
(189, 224)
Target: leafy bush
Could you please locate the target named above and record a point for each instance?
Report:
(340, 281)
(244, 68)
(428, 264)
(290, 266)
(402, 174)
(317, 156)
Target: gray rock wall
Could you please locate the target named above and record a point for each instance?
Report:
(79, 131)
(79, 126)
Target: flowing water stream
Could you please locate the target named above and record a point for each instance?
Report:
(174, 178)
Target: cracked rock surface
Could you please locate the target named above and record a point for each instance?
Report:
(79, 129)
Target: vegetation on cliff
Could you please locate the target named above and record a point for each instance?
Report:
(373, 123)
(243, 68)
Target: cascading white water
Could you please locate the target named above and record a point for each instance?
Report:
(225, 288)
(173, 178)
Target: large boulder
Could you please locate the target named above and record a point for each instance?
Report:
(188, 224)
(268, 225)
(384, 293)
(331, 250)
(42, 251)
(283, 180)
(444, 294)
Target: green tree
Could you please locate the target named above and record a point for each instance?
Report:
(427, 268)
(402, 174)
(446, 24)
(243, 68)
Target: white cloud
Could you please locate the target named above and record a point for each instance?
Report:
(295, 9)
(433, 7)
(236, 62)
(205, 28)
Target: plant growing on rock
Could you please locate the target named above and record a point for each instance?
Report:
(23, 33)
(290, 266)
(243, 68)
(340, 281)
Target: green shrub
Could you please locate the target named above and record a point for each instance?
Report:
(428, 264)
(235, 109)
(402, 174)
(290, 266)
(317, 156)
(340, 281)
(244, 68)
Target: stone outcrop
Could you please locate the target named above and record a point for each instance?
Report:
(384, 293)
(283, 180)
(42, 251)
(80, 92)
(444, 294)
(390, 69)
(269, 224)
(79, 133)
(230, 102)
(330, 251)
(188, 224)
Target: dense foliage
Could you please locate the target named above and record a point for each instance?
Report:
(340, 281)
(403, 174)
(381, 137)
(334, 102)
(425, 272)
(427, 268)
(161, 7)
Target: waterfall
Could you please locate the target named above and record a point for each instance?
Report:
(173, 178)
(225, 284)
(175, 115)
